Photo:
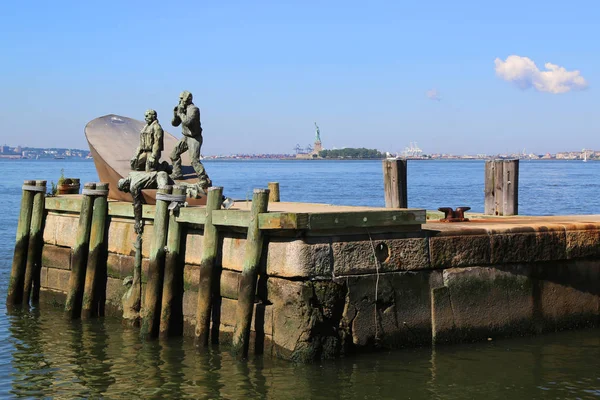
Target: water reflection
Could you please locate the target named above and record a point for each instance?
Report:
(33, 371)
(51, 356)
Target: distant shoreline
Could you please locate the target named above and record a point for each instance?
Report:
(14, 158)
(379, 159)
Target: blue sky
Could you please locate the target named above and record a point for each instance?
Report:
(263, 72)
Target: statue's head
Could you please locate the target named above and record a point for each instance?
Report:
(123, 184)
(150, 115)
(185, 97)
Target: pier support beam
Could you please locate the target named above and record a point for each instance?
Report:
(171, 315)
(156, 268)
(80, 253)
(501, 187)
(395, 183)
(96, 265)
(206, 287)
(36, 241)
(17, 274)
(247, 285)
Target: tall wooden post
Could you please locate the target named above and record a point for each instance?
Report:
(498, 187)
(210, 240)
(501, 187)
(80, 252)
(91, 306)
(489, 188)
(510, 192)
(171, 322)
(273, 192)
(153, 291)
(247, 285)
(36, 241)
(395, 183)
(17, 274)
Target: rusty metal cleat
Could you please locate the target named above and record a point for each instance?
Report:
(451, 215)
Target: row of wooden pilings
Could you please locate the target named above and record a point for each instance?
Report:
(501, 187)
(83, 299)
(165, 266)
(87, 281)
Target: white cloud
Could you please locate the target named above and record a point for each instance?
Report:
(523, 72)
(433, 95)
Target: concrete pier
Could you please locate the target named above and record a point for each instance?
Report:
(336, 280)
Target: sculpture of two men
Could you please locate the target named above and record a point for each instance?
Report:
(150, 173)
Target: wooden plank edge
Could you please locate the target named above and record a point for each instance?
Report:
(366, 219)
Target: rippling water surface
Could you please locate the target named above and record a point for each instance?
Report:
(42, 354)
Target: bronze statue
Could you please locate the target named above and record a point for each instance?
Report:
(138, 181)
(317, 133)
(147, 155)
(187, 115)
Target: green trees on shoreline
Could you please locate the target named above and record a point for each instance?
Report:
(351, 153)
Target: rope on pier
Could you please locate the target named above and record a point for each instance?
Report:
(171, 197)
(176, 201)
(33, 188)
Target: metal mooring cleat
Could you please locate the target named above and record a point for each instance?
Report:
(451, 215)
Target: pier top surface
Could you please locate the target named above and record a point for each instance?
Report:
(281, 215)
(294, 215)
(480, 224)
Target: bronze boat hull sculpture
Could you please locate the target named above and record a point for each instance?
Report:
(113, 139)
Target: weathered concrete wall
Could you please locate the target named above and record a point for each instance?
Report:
(323, 295)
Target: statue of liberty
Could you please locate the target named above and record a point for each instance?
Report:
(317, 134)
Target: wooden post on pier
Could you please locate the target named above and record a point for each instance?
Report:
(17, 274)
(171, 318)
(498, 187)
(153, 292)
(273, 192)
(395, 183)
(247, 285)
(501, 187)
(96, 263)
(80, 253)
(34, 247)
(510, 190)
(210, 240)
(489, 188)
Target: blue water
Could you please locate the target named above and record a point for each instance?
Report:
(43, 354)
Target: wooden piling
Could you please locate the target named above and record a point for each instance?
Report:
(501, 187)
(395, 183)
(210, 240)
(273, 192)
(17, 274)
(489, 188)
(247, 285)
(510, 192)
(153, 290)
(96, 260)
(34, 247)
(171, 320)
(498, 187)
(80, 252)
